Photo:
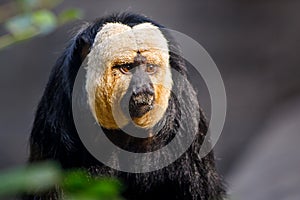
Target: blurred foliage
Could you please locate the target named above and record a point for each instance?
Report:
(76, 184)
(24, 19)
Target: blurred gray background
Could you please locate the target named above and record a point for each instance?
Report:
(255, 45)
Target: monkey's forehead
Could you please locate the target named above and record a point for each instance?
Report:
(122, 42)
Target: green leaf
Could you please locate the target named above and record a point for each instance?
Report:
(28, 25)
(69, 15)
(18, 24)
(79, 185)
(75, 180)
(45, 20)
(105, 187)
(37, 177)
(21, 27)
(6, 40)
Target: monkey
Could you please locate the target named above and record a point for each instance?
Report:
(129, 72)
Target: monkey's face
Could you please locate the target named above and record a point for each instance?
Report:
(129, 75)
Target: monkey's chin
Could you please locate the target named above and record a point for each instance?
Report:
(139, 111)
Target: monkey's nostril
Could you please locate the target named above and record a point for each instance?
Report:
(150, 91)
(143, 99)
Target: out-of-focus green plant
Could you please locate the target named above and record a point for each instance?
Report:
(24, 19)
(76, 184)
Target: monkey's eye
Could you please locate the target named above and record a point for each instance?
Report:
(125, 69)
(151, 69)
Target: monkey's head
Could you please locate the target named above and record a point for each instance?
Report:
(128, 75)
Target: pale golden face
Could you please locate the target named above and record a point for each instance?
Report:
(118, 44)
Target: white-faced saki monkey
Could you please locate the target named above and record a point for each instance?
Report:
(138, 63)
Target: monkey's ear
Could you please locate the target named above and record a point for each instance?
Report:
(68, 64)
(78, 48)
(84, 43)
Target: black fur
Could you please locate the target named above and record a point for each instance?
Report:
(54, 135)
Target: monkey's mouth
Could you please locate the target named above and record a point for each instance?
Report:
(140, 104)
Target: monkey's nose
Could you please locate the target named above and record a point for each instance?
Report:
(144, 89)
(140, 104)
